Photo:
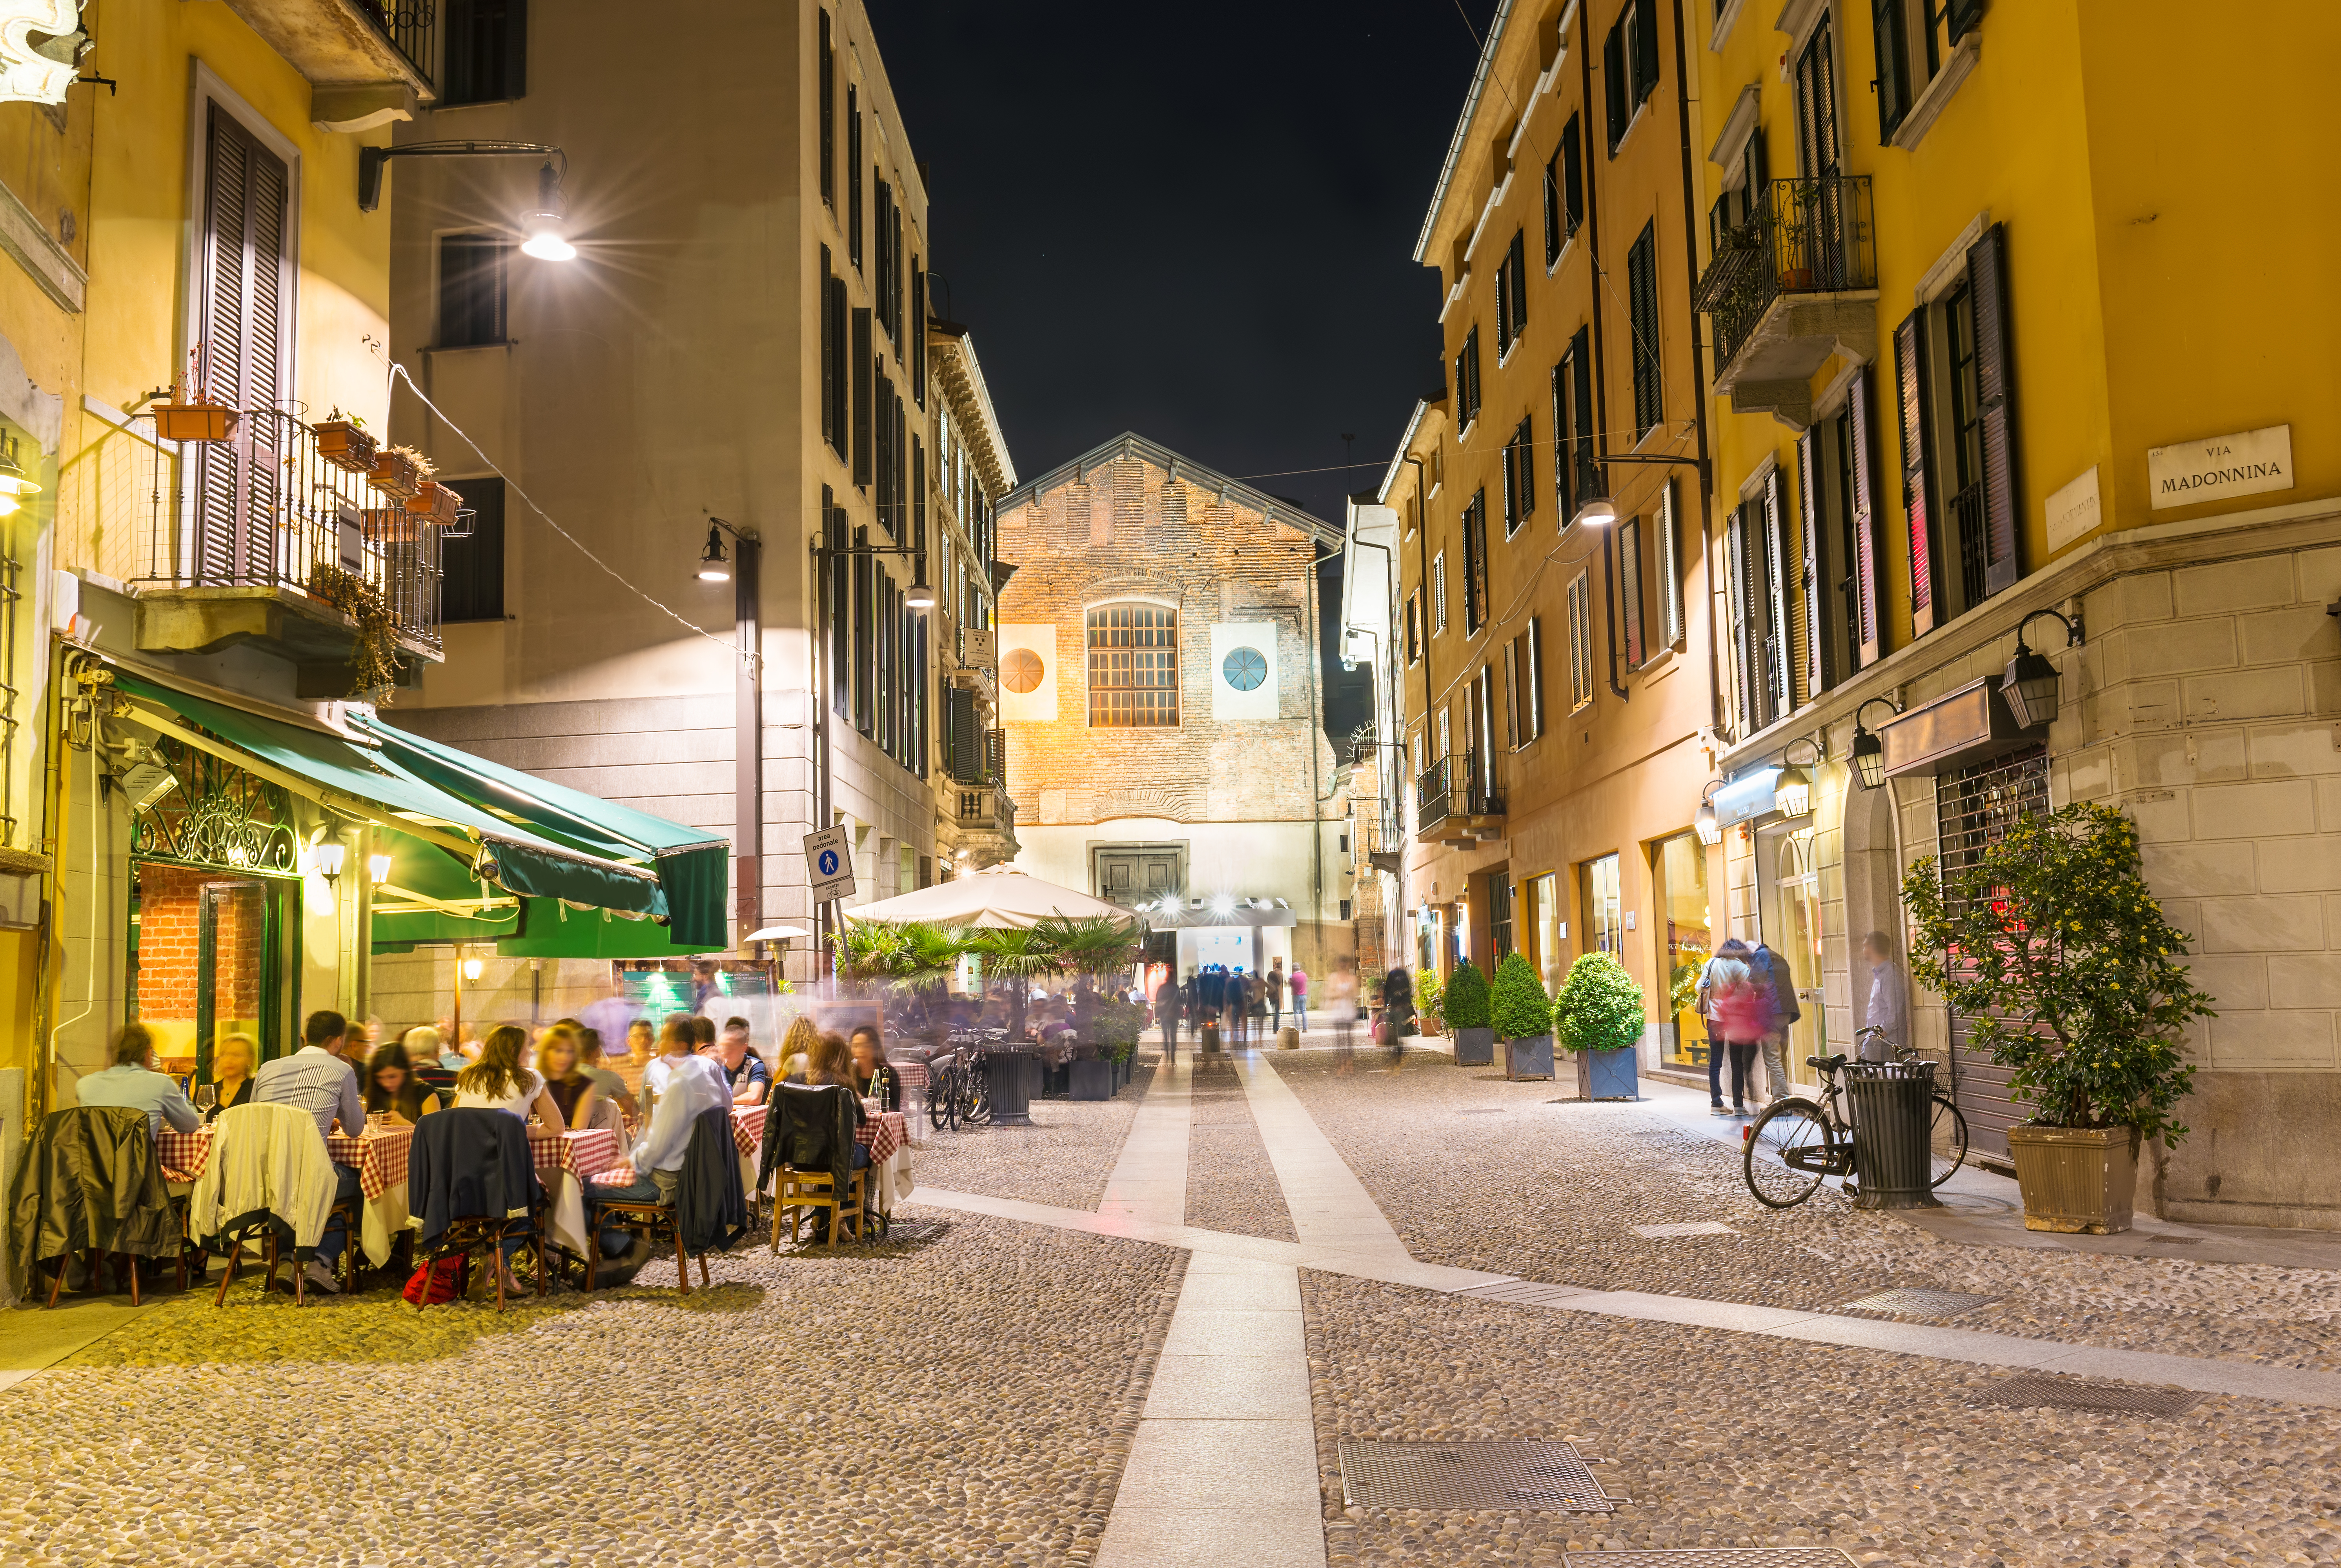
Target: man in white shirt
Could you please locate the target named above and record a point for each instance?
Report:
(695, 1085)
(133, 1083)
(1889, 999)
(683, 1027)
(319, 1081)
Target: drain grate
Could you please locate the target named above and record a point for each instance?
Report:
(1471, 1475)
(1526, 1292)
(1916, 1302)
(1712, 1557)
(916, 1230)
(2032, 1388)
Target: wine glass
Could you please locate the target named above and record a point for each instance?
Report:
(206, 1096)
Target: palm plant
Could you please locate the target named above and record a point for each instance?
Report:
(1019, 954)
(1095, 946)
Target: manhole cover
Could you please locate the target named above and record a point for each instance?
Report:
(920, 1230)
(1695, 1227)
(1469, 1475)
(1712, 1557)
(1916, 1302)
(2032, 1388)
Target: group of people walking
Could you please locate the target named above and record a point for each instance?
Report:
(1748, 999)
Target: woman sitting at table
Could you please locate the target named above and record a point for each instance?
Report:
(608, 1084)
(564, 1079)
(795, 1054)
(233, 1061)
(392, 1091)
(871, 1073)
(831, 1061)
(497, 1081)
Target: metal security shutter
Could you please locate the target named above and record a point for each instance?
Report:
(2003, 551)
(1974, 808)
(240, 343)
(1909, 363)
(1868, 636)
(1813, 662)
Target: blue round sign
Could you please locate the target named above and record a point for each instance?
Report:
(828, 862)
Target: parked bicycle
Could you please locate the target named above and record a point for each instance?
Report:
(956, 1093)
(1798, 1143)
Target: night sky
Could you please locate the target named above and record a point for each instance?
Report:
(1193, 222)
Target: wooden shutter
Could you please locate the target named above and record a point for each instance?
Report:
(1563, 488)
(2003, 533)
(1646, 49)
(853, 174)
(1868, 625)
(1893, 83)
(1670, 604)
(1520, 281)
(1580, 356)
(917, 334)
(241, 332)
(828, 113)
(1813, 667)
(1779, 630)
(1909, 374)
(1963, 17)
(1552, 230)
(1613, 82)
(862, 370)
(1513, 737)
(1511, 494)
(1629, 590)
(1742, 609)
(1572, 174)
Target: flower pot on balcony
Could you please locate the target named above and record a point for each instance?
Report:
(434, 502)
(195, 422)
(396, 474)
(1795, 280)
(1529, 1058)
(1475, 1048)
(345, 446)
(2076, 1180)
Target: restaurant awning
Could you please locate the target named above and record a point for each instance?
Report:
(475, 833)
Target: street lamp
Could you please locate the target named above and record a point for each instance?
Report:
(1792, 788)
(1869, 750)
(920, 597)
(542, 228)
(378, 867)
(327, 859)
(1596, 507)
(713, 566)
(2030, 683)
(15, 482)
(1710, 832)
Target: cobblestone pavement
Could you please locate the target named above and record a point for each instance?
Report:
(805, 1411)
(1231, 1185)
(1063, 1158)
(1478, 1173)
(1721, 1441)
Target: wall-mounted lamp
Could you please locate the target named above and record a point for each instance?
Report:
(2029, 684)
(545, 228)
(1792, 790)
(714, 566)
(1869, 750)
(472, 968)
(1710, 832)
(541, 229)
(378, 868)
(325, 858)
(1596, 507)
(15, 482)
(920, 596)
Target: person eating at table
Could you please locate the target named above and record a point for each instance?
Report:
(133, 1083)
(749, 1079)
(694, 1084)
(607, 1084)
(871, 1073)
(497, 1082)
(681, 1026)
(319, 1081)
(233, 1061)
(394, 1091)
(565, 1078)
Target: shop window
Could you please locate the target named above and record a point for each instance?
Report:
(1499, 918)
(1540, 914)
(1599, 905)
(1679, 867)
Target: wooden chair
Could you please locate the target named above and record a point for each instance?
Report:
(273, 1233)
(801, 1194)
(652, 1221)
(462, 1237)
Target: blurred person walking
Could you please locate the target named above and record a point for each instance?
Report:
(1771, 970)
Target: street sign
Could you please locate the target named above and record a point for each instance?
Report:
(983, 646)
(828, 864)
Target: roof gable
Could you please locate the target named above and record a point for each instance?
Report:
(1130, 444)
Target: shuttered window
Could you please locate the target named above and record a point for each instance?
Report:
(1475, 564)
(1629, 590)
(1555, 234)
(1439, 591)
(242, 342)
(1504, 327)
(471, 562)
(917, 334)
(1572, 174)
(833, 355)
(853, 174)
(881, 261)
(1815, 666)
(1467, 378)
(1865, 545)
(1630, 65)
(487, 52)
(1573, 472)
(1532, 664)
(1134, 666)
(1914, 40)
(838, 608)
(828, 111)
(1515, 735)
(866, 647)
(471, 289)
(1414, 627)
(1581, 640)
(1642, 310)
(1779, 650)
(1669, 578)
(1911, 403)
(1518, 283)
(1519, 479)
(864, 455)
(1741, 606)
(2003, 534)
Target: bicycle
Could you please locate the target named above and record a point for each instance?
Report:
(1798, 1143)
(957, 1092)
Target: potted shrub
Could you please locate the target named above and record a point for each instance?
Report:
(344, 440)
(194, 414)
(1465, 1006)
(1523, 1019)
(1429, 1000)
(2056, 951)
(399, 471)
(1598, 1019)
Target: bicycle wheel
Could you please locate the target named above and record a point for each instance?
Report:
(1792, 1146)
(1947, 1148)
(942, 1098)
(975, 1095)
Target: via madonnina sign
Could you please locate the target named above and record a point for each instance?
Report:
(2219, 466)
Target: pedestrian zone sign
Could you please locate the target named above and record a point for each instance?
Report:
(828, 864)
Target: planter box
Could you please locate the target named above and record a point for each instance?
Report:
(2078, 1180)
(434, 502)
(195, 422)
(1529, 1058)
(1608, 1074)
(1475, 1048)
(1093, 1079)
(345, 446)
(394, 475)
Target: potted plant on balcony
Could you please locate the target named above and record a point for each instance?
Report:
(399, 472)
(1466, 1011)
(191, 413)
(373, 656)
(2054, 949)
(344, 440)
(1523, 1019)
(1598, 1019)
(434, 502)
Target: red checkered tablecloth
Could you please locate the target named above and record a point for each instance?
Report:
(381, 1155)
(748, 1127)
(912, 1074)
(884, 1133)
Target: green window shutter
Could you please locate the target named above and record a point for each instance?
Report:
(1629, 590)
(1613, 84)
(1646, 49)
(1572, 174)
(2003, 534)
(1965, 16)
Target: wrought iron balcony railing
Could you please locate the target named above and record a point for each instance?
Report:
(410, 26)
(1805, 237)
(1458, 785)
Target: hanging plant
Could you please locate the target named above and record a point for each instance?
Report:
(373, 657)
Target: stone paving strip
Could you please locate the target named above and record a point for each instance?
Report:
(1149, 1181)
(1065, 1156)
(1231, 1180)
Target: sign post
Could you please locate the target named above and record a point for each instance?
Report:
(829, 872)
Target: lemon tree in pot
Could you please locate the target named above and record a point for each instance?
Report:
(1465, 1009)
(2054, 949)
(1523, 1014)
(1598, 1019)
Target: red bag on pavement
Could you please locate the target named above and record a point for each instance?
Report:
(434, 1283)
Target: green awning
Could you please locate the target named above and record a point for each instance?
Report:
(432, 896)
(551, 930)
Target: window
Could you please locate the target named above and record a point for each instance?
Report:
(1499, 918)
(1605, 926)
(1574, 476)
(853, 175)
(472, 568)
(828, 113)
(1467, 380)
(1134, 666)
(1511, 297)
(865, 646)
(487, 52)
(838, 607)
(1761, 653)
(835, 351)
(1564, 192)
(1414, 627)
(1345, 908)
(1629, 66)
(1915, 38)
(1581, 640)
(1531, 658)
(1642, 311)
(1515, 732)
(1669, 581)
(1520, 477)
(1815, 83)
(918, 333)
(1439, 591)
(1475, 564)
(884, 227)
(471, 289)
(1750, 177)
(1540, 912)
(863, 368)
(1629, 590)
(245, 335)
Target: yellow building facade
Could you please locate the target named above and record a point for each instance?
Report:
(1999, 324)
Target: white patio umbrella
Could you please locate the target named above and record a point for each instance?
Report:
(999, 898)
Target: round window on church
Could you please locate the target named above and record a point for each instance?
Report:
(1020, 670)
(1245, 669)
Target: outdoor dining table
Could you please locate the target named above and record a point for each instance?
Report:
(380, 1156)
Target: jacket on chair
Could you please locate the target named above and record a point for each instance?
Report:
(89, 1178)
(711, 1206)
(469, 1164)
(811, 1129)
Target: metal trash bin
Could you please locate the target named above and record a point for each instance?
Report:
(1892, 1109)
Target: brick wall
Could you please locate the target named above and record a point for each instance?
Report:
(169, 945)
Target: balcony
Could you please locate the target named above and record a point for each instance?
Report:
(1795, 283)
(1457, 802)
(1381, 843)
(985, 821)
(367, 61)
(246, 540)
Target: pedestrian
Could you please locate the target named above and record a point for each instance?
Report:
(1771, 971)
(1299, 986)
(1341, 1006)
(1238, 1004)
(1888, 1010)
(1738, 1012)
(1397, 1014)
(1275, 979)
(1166, 1014)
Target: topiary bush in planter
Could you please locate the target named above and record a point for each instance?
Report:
(1522, 1014)
(1466, 1011)
(1598, 1017)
